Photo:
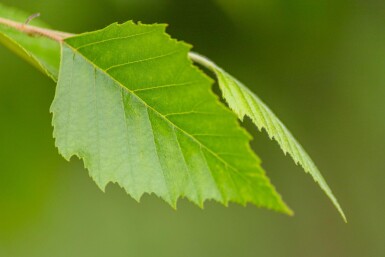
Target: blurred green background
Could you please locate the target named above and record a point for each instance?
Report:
(320, 65)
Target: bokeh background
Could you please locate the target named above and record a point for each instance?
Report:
(320, 65)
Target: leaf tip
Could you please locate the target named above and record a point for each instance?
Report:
(339, 208)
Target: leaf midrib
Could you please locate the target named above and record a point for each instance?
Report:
(163, 116)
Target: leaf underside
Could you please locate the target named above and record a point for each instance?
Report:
(245, 103)
(41, 52)
(130, 103)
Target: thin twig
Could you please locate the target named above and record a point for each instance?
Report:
(36, 31)
(30, 18)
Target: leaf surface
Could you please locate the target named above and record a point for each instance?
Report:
(130, 103)
(245, 103)
(41, 52)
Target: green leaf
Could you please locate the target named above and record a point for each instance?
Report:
(41, 52)
(245, 103)
(44, 54)
(130, 103)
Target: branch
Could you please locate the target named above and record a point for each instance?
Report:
(36, 31)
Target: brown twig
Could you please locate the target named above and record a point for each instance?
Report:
(36, 31)
(30, 18)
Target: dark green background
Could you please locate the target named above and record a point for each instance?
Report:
(320, 65)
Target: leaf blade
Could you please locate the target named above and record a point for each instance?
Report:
(173, 146)
(245, 103)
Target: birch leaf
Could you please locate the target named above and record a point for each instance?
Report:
(245, 103)
(130, 103)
